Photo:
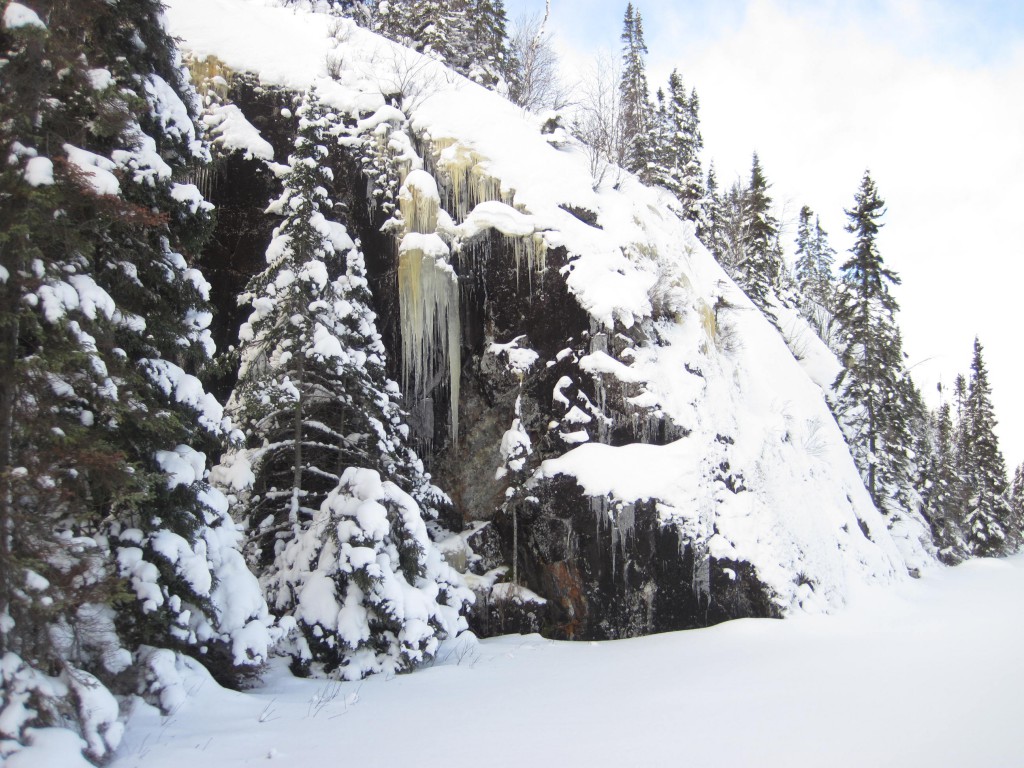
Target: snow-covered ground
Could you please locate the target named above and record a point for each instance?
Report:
(923, 673)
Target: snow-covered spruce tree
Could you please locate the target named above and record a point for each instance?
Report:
(812, 275)
(732, 236)
(826, 257)
(487, 59)
(677, 144)
(468, 35)
(111, 537)
(636, 118)
(370, 592)
(871, 393)
(337, 498)
(289, 353)
(375, 153)
(814, 259)
(1017, 502)
(941, 488)
(759, 263)
(714, 237)
(806, 266)
(908, 423)
(988, 517)
(428, 26)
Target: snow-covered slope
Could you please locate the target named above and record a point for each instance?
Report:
(899, 679)
(757, 471)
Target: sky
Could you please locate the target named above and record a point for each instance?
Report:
(926, 94)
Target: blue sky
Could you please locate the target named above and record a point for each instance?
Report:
(928, 94)
(970, 31)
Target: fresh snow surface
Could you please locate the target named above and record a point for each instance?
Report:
(232, 132)
(924, 673)
(17, 15)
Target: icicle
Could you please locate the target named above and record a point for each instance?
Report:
(622, 516)
(419, 201)
(462, 174)
(428, 294)
(534, 251)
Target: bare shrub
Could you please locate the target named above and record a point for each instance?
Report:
(597, 123)
(535, 84)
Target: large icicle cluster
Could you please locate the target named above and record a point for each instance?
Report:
(428, 291)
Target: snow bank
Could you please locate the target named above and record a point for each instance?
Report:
(864, 688)
(17, 15)
(233, 133)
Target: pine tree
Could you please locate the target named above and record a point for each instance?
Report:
(676, 146)
(636, 115)
(759, 263)
(286, 379)
(814, 259)
(369, 590)
(325, 439)
(988, 518)
(806, 266)
(941, 490)
(871, 392)
(734, 232)
(105, 505)
(663, 148)
(961, 441)
(1017, 505)
(713, 236)
(487, 60)
(470, 36)
(826, 256)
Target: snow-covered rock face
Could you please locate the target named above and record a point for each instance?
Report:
(685, 466)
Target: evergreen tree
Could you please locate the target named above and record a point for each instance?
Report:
(713, 236)
(814, 259)
(104, 504)
(487, 59)
(988, 518)
(806, 266)
(325, 438)
(694, 191)
(961, 441)
(871, 391)
(941, 489)
(636, 115)
(286, 379)
(734, 232)
(759, 264)
(677, 144)
(1017, 504)
(826, 256)
(470, 36)
(663, 147)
